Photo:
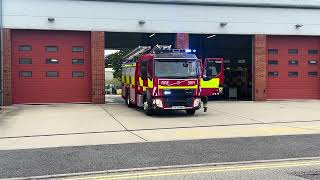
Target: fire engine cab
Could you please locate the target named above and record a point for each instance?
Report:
(161, 78)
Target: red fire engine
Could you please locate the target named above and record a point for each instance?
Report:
(162, 78)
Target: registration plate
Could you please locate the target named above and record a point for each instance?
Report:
(178, 107)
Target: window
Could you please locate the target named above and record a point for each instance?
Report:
(312, 51)
(25, 74)
(77, 61)
(293, 51)
(144, 70)
(25, 61)
(77, 49)
(25, 48)
(272, 62)
(51, 48)
(272, 51)
(77, 74)
(293, 62)
(52, 61)
(150, 69)
(212, 69)
(52, 74)
(312, 74)
(273, 74)
(313, 62)
(293, 74)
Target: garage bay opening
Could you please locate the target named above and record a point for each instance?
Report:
(117, 46)
(236, 51)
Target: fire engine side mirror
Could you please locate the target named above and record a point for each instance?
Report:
(200, 69)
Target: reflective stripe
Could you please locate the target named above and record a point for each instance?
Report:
(132, 80)
(212, 83)
(150, 83)
(178, 87)
(122, 78)
(129, 65)
(140, 81)
(128, 79)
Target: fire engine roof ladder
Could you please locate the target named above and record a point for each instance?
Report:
(158, 48)
(131, 57)
(165, 48)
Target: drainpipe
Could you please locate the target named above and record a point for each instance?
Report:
(1, 58)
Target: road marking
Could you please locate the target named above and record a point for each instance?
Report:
(189, 171)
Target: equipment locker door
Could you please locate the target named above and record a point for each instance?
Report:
(51, 66)
(293, 67)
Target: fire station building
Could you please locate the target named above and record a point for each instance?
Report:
(53, 50)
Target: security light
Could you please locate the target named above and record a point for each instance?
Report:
(142, 22)
(223, 24)
(51, 19)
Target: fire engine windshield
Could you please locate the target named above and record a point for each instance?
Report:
(176, 68)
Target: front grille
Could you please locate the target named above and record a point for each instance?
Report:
(186, 93)
(176, 101)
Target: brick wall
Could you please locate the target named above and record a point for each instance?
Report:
(97, 63)
(182, 41)
(7, 87)
(259, 50)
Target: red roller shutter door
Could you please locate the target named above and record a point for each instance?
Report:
(293, 67)
(50, 66)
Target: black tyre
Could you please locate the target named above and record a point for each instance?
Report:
(190, 111)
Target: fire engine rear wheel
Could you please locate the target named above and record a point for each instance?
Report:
(190, 111)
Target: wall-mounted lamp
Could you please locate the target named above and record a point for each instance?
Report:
(223, 24)
(298, 26)
(51, 19)
(142, 22)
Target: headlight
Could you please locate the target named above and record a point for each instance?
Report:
(196, 102)
(158, 102)
(166, 92)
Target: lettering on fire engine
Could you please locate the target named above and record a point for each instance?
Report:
(173, 83)
(165, 83)
(191, 83)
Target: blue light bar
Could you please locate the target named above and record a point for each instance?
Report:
(194, 50)
(188, 51)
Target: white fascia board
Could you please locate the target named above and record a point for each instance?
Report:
(159, 18)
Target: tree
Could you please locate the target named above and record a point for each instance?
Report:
(115, 61)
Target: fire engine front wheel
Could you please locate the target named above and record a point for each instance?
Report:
(190, 111)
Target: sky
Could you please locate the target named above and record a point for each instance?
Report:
(108, 52)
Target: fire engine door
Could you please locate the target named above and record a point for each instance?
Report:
(212, 76)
